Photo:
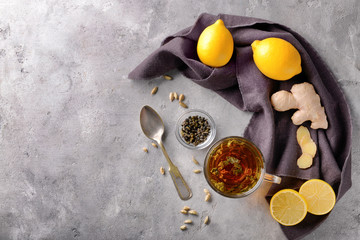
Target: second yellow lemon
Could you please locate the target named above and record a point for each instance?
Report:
(276, 58)
(215, 45)
(319, 195)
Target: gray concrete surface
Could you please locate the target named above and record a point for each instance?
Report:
(71, 159)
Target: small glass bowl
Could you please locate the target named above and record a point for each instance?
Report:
(195, 112)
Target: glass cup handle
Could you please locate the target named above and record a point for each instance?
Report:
(272, 178)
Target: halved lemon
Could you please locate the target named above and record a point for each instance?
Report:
(288, 207)
(319, 196)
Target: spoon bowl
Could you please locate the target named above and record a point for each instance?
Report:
(151, 123)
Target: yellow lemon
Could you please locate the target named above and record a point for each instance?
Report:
(276, 58)
(215, 45)
(319, 196)
(288, 207)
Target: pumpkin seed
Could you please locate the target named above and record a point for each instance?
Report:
(175, 95)
(183, 211)
(183, 227)
(197, 171)
(154, 90)
(193, 212)
(207, 197)
(206, 221)
(195, 161)
(186, 208)
(171, 96)
(154, 145)
(167, 77)
(145, 149)
(183, 105)
(162, 170)
(188, 221)
(181, 97)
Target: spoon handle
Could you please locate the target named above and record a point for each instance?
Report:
(179, 182)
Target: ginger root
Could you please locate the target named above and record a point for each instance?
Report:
(308, 147)
(304, 98)
(305, 161)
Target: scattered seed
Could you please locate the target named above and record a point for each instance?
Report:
(154, 90)
(193, 212)
(145, 149)
(168, 77)
(183, 105)
(195, 161)
(183, 227)
(175, 95)
(171, 96)
(197, 171)
(183, 211)
(207, 197)
(181, 97)
(188, 221)
(154, 145)
(186, 208)
(206, 191)
(206, 221)
(162, 170)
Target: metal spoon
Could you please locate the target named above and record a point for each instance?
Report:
(153, 127)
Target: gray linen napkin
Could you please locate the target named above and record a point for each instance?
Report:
(243, 85)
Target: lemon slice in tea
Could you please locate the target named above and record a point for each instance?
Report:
(288, 207)
(319, 196)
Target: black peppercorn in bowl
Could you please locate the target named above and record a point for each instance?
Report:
(195, 129)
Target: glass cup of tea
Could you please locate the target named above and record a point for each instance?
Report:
(234, 167)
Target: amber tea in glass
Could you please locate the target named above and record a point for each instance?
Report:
(234, 167)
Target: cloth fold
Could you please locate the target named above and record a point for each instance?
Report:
(243, 85)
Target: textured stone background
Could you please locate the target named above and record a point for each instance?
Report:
(71, 159)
